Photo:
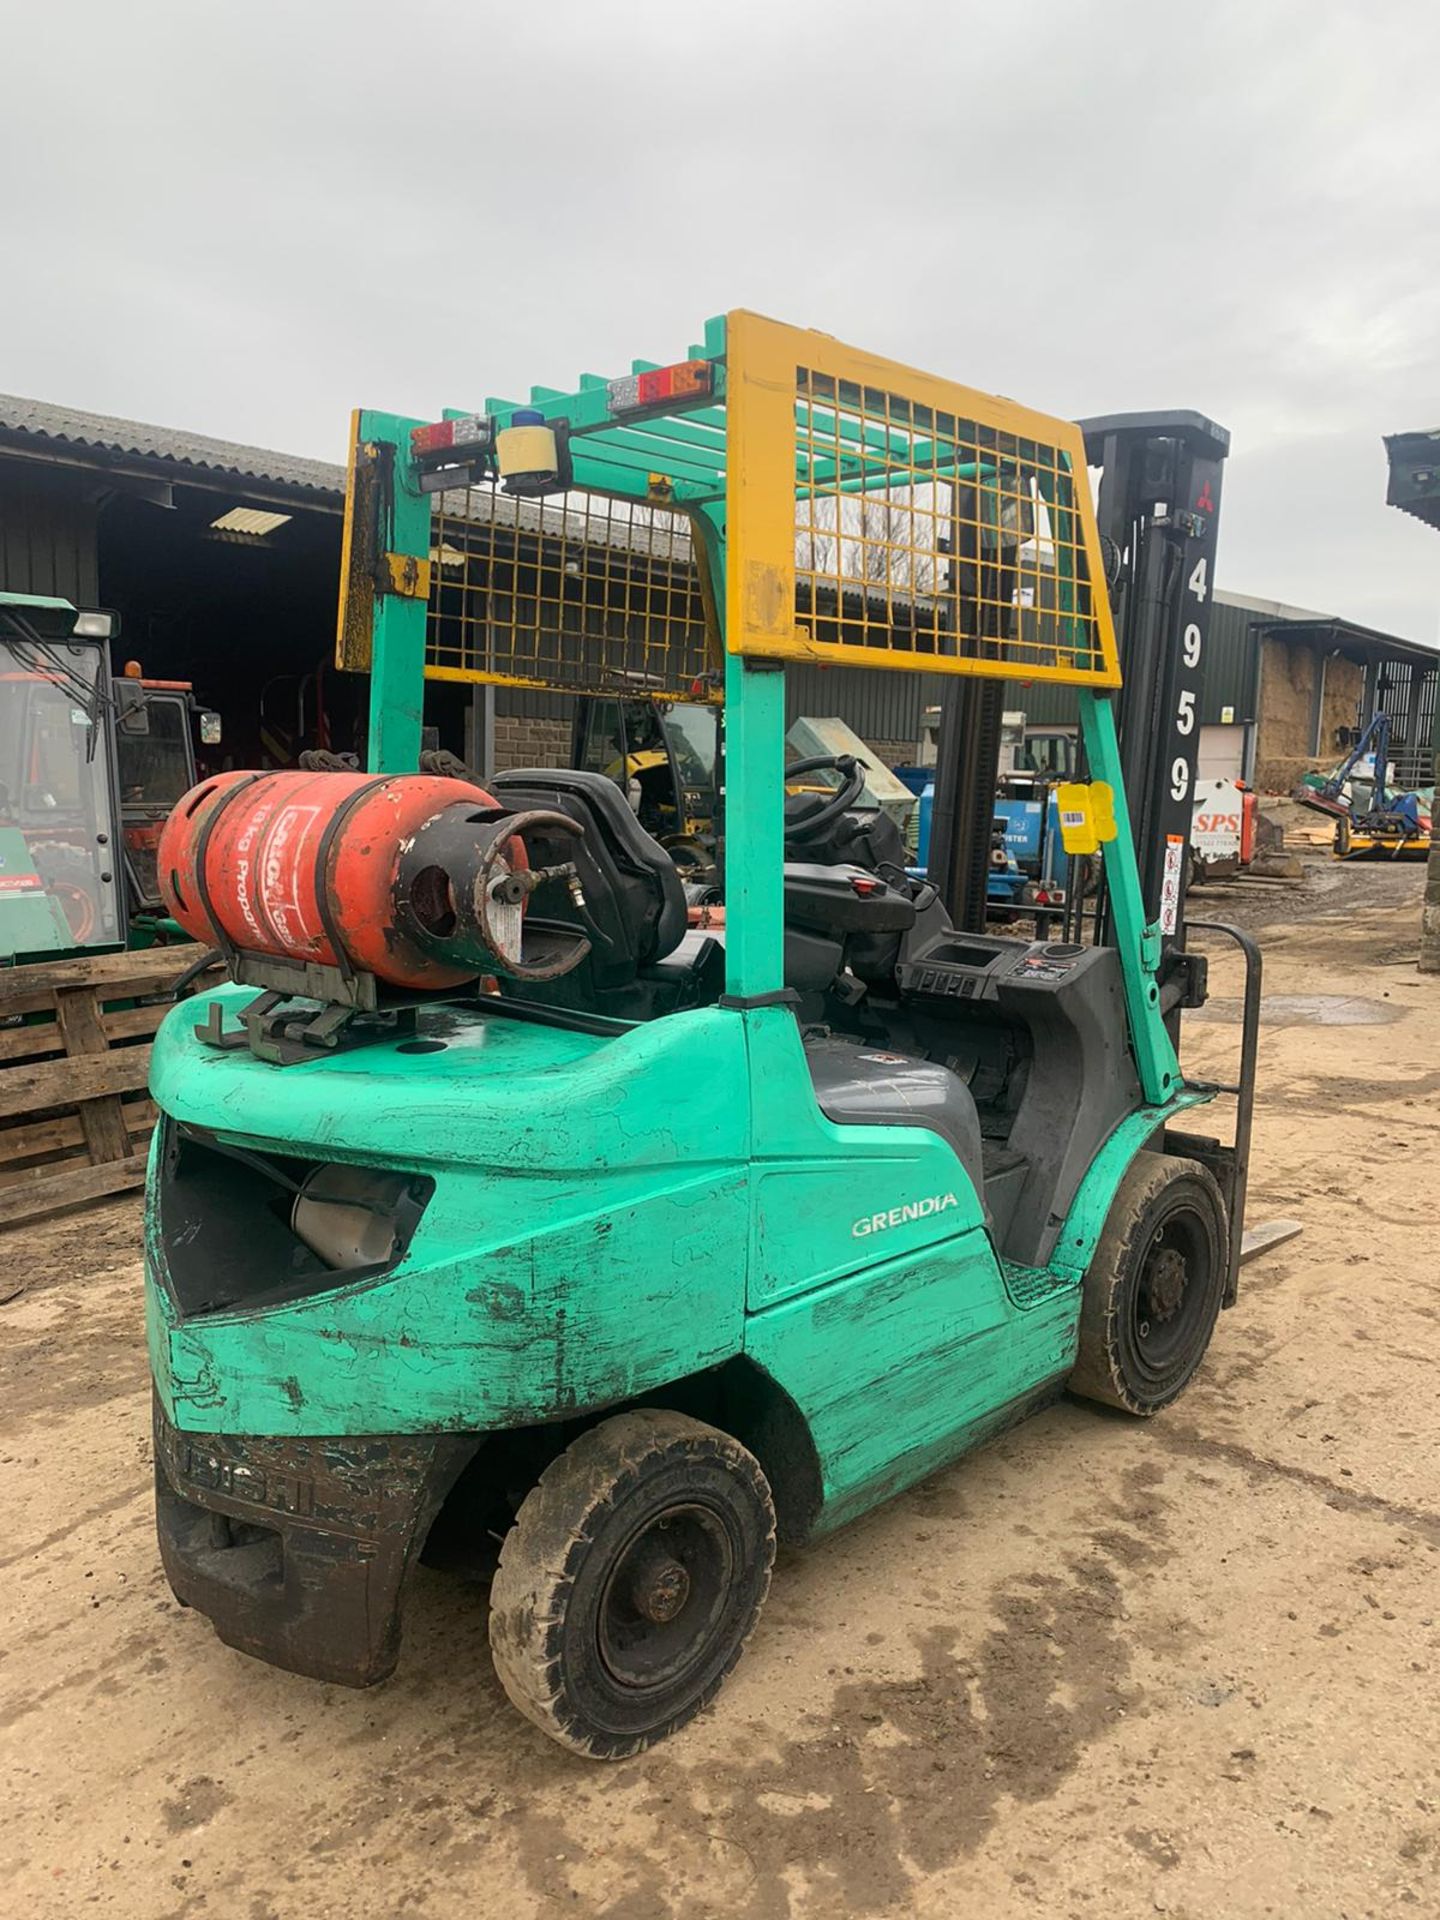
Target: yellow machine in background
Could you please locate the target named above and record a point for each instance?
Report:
(666, 756)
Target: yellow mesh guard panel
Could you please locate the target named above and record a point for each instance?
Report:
(878, 517)
(580, 594)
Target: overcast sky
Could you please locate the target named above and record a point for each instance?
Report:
(246, 219)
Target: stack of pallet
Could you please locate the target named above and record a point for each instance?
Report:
(75, 1037)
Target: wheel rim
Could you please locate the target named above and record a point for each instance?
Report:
(665, 1597)
(78, 907)
(1170, 1300)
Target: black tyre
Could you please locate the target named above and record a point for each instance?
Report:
(694, 865)
(1153, 1290)
(631, 1580)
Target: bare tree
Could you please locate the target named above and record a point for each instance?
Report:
(885, 538)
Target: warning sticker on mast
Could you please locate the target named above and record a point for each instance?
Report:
(1170, 882)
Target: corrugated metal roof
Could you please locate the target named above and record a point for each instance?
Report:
(1348, 636)
(1228, 679)
(42, 421)
(1273, 609)
(633, 526)
(47, 425)
(640, 529)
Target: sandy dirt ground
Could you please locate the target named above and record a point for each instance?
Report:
(1189, 1667)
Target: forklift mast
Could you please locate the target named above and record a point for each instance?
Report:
(1158, 513)
(967, 775)
(1159, 516)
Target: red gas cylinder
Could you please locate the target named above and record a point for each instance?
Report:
(306, 866)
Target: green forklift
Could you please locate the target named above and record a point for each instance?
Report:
(489, 1202)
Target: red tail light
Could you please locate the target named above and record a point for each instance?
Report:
(470, 429)
(686, 380)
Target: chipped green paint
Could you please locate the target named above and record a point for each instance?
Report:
(585, 1241)
(612, 1214)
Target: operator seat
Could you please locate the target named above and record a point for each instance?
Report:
(634, 915)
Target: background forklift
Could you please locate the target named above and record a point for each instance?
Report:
(490, 1201)
(90, 766)
(665, 754)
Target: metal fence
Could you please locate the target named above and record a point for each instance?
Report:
(1406, 690)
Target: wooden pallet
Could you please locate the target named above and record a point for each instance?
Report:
(75, 1120)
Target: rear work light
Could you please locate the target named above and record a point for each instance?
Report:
(96, 626)
(686, 380)
(472, 431)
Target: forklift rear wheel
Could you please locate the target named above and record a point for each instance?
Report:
(631, 1580)
(1153, 1290)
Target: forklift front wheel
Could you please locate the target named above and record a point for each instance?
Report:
(631, 1580)
(1153, 1290)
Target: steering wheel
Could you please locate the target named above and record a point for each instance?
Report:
(803, 826)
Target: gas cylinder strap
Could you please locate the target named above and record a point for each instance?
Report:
(202, 886)
(322, 873)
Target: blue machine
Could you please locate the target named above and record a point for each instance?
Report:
(1032, 836)
(1032, 873)
(1392, 823)
(1026, 831)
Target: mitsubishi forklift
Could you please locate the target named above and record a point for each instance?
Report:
(491, 1202)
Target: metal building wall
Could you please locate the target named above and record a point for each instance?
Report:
(883, 708)
(524, 703)
(1228, 676)
(1229, 673)
(1042, 703)
(48, 540)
